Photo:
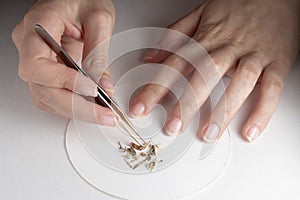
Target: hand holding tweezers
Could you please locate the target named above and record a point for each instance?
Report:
(121, 118)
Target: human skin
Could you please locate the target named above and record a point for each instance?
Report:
(252, 40)
(78, 26)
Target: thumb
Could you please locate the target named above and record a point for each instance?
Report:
(97, 30)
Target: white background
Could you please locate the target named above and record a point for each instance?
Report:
(33, 163)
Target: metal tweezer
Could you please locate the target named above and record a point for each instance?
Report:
(122, 119)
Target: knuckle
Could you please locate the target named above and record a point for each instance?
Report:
(223, 56)
(103, 16)
(151, 91)
(188, 107)
(275, 83)
(178, 60)
(250, 67)
(28, 17)
(251, 71)
(99, 59)
(65, 79)
(175, 62)
(24, 73)
(39, 105)
(218, 61)
(40, 95)
(50, 18)
(41, 13)
(219, 64)
(15, 34)
(200, 37)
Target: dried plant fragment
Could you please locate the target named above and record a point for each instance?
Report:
(131, 151)
(139, 163)
(137, 157)
(152, 164)
(153, 150)
(136, 146)
(126, 161)
(121, 148)
(140, 155)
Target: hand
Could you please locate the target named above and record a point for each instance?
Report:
(257, 40)
(78, 26)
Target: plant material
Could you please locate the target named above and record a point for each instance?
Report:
(140, 155)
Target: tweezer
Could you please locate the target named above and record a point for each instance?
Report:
(122, 119)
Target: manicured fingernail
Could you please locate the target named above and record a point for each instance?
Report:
(107, 121)
(138, 110)
(87, 90)
(106, 83)
(211, 133)
(253, 133)
(151, 54)
(174, 126)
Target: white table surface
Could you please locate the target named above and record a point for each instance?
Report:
(33, 162)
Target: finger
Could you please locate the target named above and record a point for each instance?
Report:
(98, 27)
(176, 36)
(106, 83)
(270, 90)
(32, 47)
(177, 65)
(142, 103)
(151, 94)
(73, 47)
(36, 66)
(243, 82)
(71, 105)
(43, 107)
(203, 81)
(16, 34)
(52, 74)
(38, 104)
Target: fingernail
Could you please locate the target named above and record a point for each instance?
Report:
(253, 133)
(87, 90)
(174, 126)
(211, 133)
(138, 110)
(107, 121)
(151, 54)
(106, 83)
